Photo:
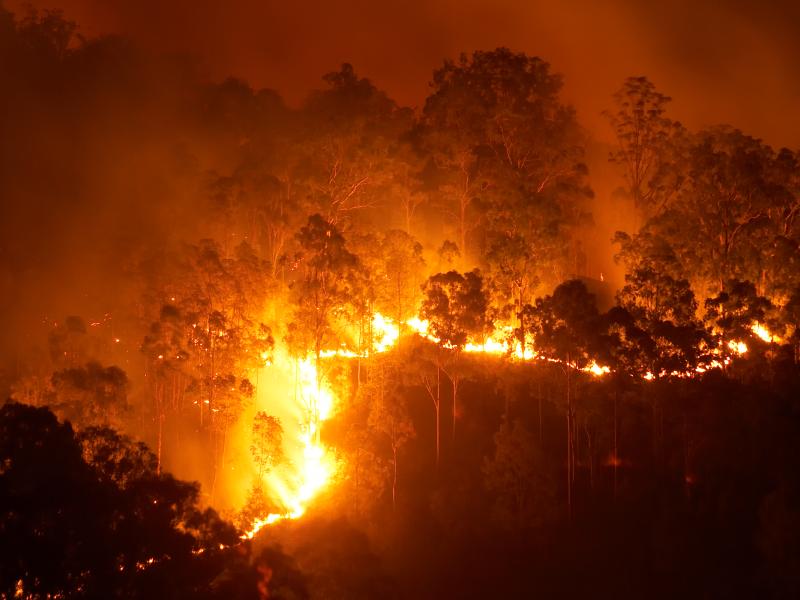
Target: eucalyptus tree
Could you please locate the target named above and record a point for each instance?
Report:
(327, 292)
(455, 306)
(509, 154)
(567, 328)
(648, 144)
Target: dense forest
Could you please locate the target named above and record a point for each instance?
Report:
(351, 349)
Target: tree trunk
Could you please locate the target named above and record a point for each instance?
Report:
(160, 417)
(590, 452)
(438, 404)
(315, 415)
(455, 381)
(616, 455)
(394, 477)
(540, 413)
(569, 444)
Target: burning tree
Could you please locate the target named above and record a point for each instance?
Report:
(267, 445)
(326, 291)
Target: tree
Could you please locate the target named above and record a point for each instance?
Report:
(257, 505)
(645, 142)
(267, 442)
(517, 474)
(566, 327)
(454, 305)
(655, 296)
(90, 395)
(402, 269)
(263, 199)
(89, 515)
(351, 129)
(732, 314)
(512, 277)
(206, 343)
(729, 194)
(388, 413)
(665, 310)
(500, 137)
(790, 315)
(326, 291)
(166, 347)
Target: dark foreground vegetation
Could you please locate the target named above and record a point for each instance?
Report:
(197, 234)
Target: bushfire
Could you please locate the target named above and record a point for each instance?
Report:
(314, 464)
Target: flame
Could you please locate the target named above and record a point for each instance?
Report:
(311, 464)
(490, 345)
(764, 333)
(314, 464)
(316, 471)
(737, 347)
(385, 333)
(596, 369)
(420, 327)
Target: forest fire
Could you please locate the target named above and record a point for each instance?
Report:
(316, 464)
(764, 333)
(310, 465)
(465, 341)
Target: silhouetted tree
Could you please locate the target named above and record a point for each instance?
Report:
(455, 306)
(518, 475)
(267, 442)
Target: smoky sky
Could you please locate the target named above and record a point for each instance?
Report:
(733, 61)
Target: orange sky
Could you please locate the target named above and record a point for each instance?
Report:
(728, 61)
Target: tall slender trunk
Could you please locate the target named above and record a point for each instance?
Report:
(160, 417)
(686, 455)
(569, 443)
(616, 454)
(654, 407)
(590, 452)
(211, 380)
(315, 407)
(394, 477)
(438, 405)
(463, 203)
(435, 396)
(540, 413)
(455, 381)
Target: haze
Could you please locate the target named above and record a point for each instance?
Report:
(723, 62)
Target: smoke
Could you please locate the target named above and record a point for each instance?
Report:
(94, 159)
(90, 152)
(730, 62)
